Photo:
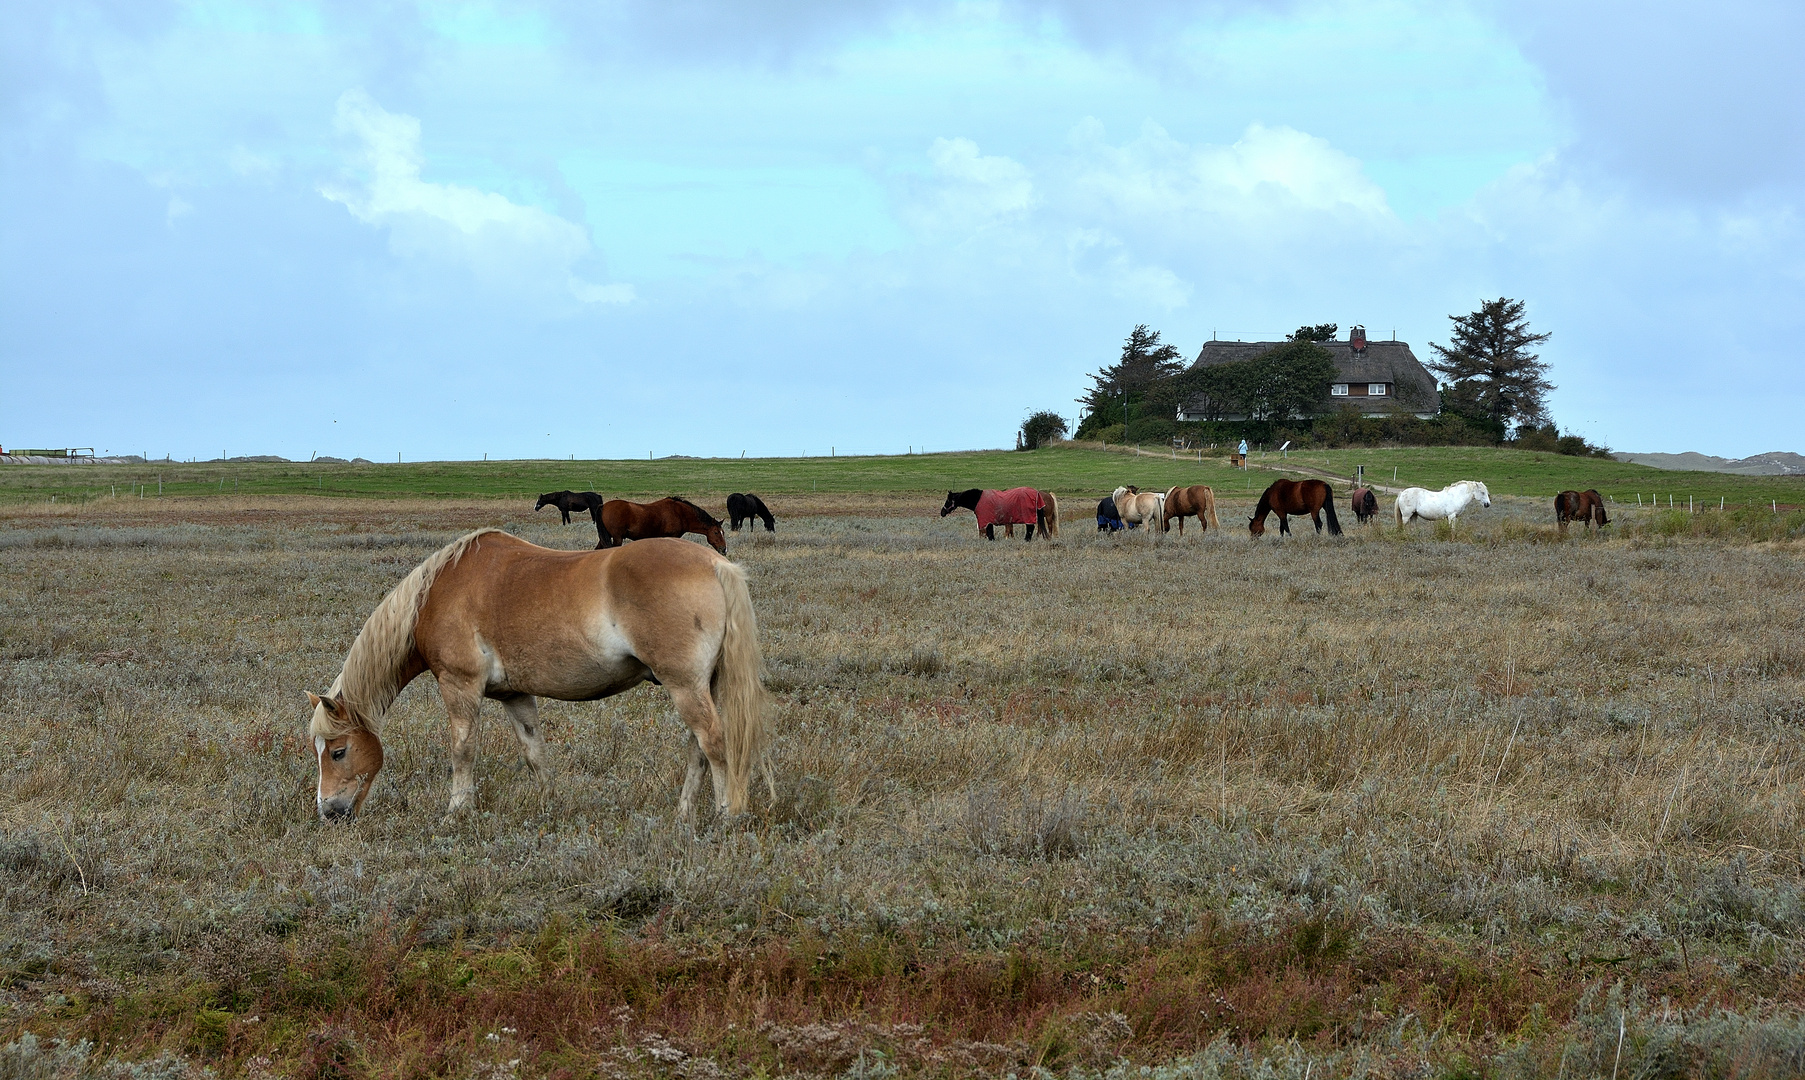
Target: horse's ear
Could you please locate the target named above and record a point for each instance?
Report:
(333, 706)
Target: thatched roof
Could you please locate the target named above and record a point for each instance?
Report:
(1381, 361)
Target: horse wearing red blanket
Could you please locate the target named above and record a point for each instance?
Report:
(1017, 506)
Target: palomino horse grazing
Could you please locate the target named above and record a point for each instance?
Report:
(1198, 500)
(674, 516)
(493, 616)
(1016, 506)
(1140, 507)
(1586, 506)
(1365, 505)
(743, 508)
(1287, 497)
(1450, 502)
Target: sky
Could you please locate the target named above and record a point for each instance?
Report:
(614, 228)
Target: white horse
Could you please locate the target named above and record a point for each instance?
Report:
(1450, 502)
(1140, 508)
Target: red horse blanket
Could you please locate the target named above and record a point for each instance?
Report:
(1013, 507)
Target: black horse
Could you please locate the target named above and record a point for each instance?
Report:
(566, 501)
(1109, 519)
(1010, 506)
(743, 508)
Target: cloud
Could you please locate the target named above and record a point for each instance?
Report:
(498, 239)
(1268, 175)
(968, 190)
(1688, 99)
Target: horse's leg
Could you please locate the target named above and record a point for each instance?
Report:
(990, 532)
(692, 779)
(697, 711)
(524, 712)
(1316, 517)
(463, 704)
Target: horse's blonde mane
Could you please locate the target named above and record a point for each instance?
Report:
(371, 678)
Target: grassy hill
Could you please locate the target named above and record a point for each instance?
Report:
(1069, 470)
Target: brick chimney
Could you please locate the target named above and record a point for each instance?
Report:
(1356, 336)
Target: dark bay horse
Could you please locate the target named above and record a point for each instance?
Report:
(568, 501)
(1586, 506)
(1287, 497)
(674, 516)
(1017, 506)
(1364, 503)
(743, 508)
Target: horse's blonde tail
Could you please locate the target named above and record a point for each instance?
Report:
(739, 689)
(1209, 505)
(1053, 513)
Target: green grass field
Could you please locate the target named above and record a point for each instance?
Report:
(1068, 470)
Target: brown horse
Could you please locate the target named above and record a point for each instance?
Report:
(1586, 506)
(492, 616)
(1364, 504)
(1198, 500)
(674, 516)
(1287, 497)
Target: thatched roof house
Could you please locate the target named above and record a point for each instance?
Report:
(1380, 378)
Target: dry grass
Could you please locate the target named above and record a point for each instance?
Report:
(1383, 804)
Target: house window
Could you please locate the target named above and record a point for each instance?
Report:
(1339, 389)
(1376, 389)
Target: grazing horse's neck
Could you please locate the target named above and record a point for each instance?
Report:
(383, 660)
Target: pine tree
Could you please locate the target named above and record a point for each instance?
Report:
(1319, 332)
(1144, 362)
(1490, 372)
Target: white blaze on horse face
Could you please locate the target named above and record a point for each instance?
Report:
(319, 787)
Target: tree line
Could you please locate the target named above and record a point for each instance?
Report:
(1493, 390)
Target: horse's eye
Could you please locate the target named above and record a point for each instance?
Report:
(339, 754)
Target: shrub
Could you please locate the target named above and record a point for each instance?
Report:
(1041, 428)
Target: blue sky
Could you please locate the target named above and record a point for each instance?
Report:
(610, 229)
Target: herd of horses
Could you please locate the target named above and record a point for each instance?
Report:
(617, 520)
(1129, 507)
(495, 617)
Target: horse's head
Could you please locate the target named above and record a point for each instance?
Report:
(716, 538)
(349, 755)
(548, 497)
(950, 504)
(1484, 496)
(1257, 525)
